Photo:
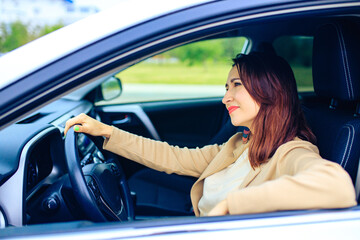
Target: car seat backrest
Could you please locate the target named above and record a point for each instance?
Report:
(333, 114)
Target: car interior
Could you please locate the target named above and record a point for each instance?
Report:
(331, 112)
(51, 190)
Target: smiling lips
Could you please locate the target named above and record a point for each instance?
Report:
(232, 109)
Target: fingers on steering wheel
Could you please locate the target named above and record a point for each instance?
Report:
(78, 120)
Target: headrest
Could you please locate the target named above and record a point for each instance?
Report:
(336, 61)
(265, 47)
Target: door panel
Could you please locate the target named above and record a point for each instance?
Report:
(189, 123)
(129, 117)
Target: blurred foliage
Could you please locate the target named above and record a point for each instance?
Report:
(48, 29)
(296, 50)
(207, 52)
(17, 34)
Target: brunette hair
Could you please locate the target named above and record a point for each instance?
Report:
(270, 81)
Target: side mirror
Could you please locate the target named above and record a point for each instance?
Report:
(111, 88)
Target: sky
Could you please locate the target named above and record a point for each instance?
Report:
(38, 12)
(101, 4)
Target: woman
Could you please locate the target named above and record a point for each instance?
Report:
(273, 165)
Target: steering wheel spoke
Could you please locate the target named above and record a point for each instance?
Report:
(117, 215)
(94, 189)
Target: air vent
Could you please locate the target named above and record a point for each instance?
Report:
(33, 118)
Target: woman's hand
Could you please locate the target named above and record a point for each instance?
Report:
(85, 124)
(220, 209)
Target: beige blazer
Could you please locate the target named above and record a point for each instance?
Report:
(296, 177)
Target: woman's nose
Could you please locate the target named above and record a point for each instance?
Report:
(227, 97)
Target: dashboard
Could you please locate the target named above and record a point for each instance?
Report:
(41, 161)
(32, 152)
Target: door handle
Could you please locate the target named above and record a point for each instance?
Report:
(127, 119)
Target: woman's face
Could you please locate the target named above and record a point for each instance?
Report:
(241, 106)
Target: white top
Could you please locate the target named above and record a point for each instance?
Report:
(218, 185)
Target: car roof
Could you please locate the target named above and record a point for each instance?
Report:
(77, 35)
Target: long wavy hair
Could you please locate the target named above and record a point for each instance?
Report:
(270, 81)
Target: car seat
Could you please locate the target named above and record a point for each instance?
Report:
(333, 114)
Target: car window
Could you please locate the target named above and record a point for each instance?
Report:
(195, 70)
(297, 50)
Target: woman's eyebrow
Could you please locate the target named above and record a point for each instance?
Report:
(234, 79)
(231, 81)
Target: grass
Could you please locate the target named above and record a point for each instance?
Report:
(179, 73)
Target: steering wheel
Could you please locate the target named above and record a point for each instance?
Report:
(100, 188)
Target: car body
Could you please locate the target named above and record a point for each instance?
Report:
(50, 80)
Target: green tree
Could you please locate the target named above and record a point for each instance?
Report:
(49, 28)
(209, 51)
(13, 36)
(16, 34)
(232, 47)
(199, 52)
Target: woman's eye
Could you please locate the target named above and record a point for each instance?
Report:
(237, 84)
